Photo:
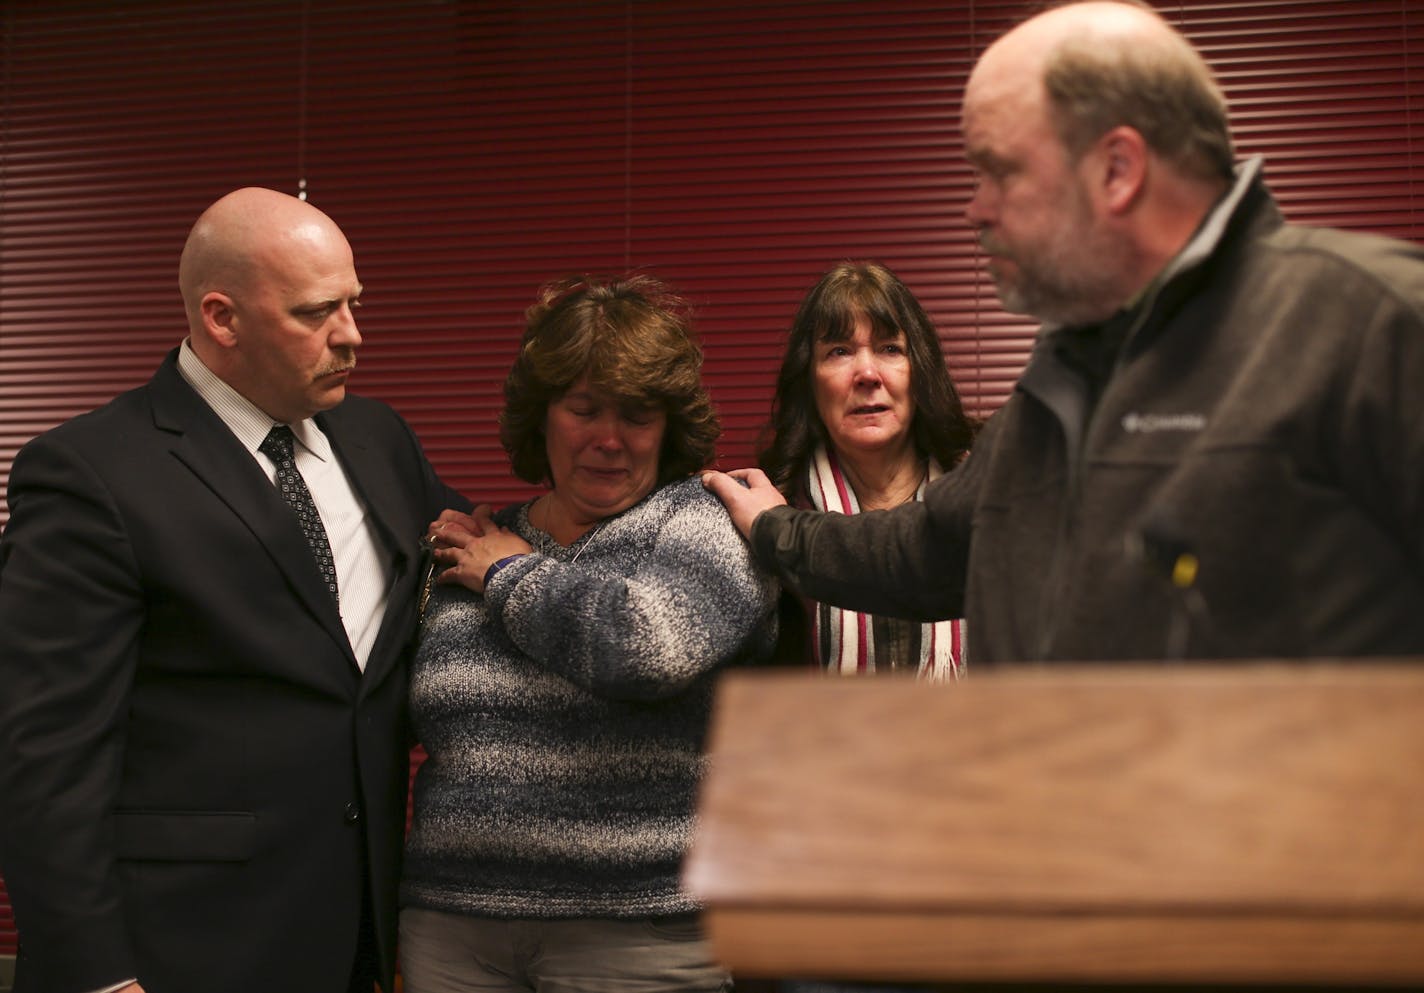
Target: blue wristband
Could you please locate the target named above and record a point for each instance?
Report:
(500, 564)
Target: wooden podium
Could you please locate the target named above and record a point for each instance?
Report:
(1196, 824)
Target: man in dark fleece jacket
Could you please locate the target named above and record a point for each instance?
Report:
(1215, 448)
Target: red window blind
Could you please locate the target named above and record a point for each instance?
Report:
(473, 150)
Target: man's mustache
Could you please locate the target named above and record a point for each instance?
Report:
(343, 363)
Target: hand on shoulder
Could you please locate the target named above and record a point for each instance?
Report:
(745, 493)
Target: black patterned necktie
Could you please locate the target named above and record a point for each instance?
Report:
(278, 446)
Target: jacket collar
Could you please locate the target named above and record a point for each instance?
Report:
(1059, 387)
(1211, 230)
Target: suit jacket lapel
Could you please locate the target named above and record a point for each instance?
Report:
(370, 474)
(205, 445)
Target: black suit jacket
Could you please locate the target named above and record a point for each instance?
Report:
(197, 779)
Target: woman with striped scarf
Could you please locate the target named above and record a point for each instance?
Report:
(865, 414)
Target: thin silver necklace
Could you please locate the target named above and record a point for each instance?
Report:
(547, 543)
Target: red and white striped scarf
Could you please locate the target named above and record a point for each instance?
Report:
(851, 647)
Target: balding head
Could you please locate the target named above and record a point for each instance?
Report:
(1104, 64)
(269, 286)
(237, 237)
(1105, 21)
(1099, 143)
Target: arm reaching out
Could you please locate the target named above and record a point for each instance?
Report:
(745, 493)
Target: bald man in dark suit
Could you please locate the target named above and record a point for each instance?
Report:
(203, 742)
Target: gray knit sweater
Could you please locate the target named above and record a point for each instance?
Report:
(564, 713)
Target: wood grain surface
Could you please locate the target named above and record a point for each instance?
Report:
(1196, 823)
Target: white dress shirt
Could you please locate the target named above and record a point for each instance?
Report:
(362, 569)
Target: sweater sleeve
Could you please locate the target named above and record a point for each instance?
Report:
(691, 601)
